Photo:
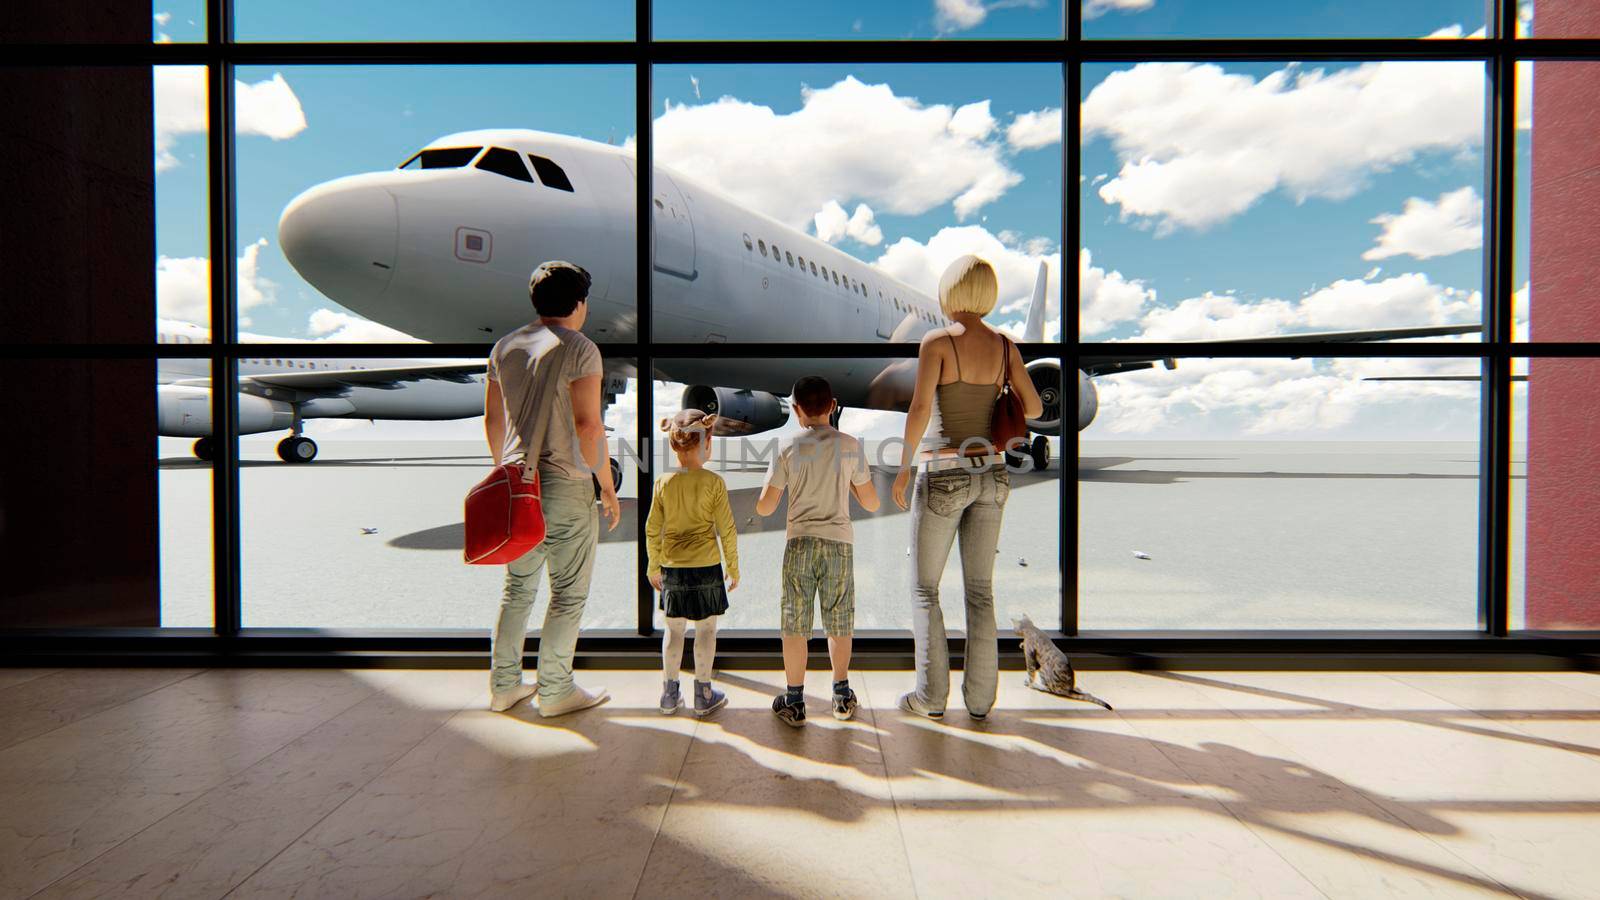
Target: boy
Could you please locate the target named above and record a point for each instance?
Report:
(821, 467)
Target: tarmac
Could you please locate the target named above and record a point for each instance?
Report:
(1172, 535)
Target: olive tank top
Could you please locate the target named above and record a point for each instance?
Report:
(965, 409)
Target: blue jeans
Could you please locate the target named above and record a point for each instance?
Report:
(572, 526)
(947, 504)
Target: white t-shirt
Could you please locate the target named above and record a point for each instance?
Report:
(536, 366)
(817, 468)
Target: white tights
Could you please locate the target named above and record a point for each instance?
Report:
(705, 647)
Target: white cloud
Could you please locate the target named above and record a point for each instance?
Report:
(921, 265)
(850, 141)
(696, 84)
(958, 15)
(1036, 129)
(1199, 145)
(1425, 229)
(833, 223)
(162, 18)
(183, 286)
(1107, 299)
(268, 108)
(330, 325)
(1095, 8)
(1403, 300)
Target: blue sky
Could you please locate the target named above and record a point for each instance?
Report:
(1276, 18)
(843, 19)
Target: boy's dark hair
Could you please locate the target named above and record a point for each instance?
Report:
(557, 287)
(813, 394)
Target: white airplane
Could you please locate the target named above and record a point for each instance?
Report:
(441, 248)
(282, 391)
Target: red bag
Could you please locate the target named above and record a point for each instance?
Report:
(504, 516)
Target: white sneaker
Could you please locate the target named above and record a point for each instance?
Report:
(500, 701)
(578, 699)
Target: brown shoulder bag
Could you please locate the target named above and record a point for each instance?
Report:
(1008, 427)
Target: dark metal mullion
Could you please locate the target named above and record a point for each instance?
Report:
(1494, 534)
(224, 325)
(1072, 240)
(644, 165)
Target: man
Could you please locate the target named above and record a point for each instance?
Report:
(542, 407)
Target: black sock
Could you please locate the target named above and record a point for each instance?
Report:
(797, 693)
(841, 686)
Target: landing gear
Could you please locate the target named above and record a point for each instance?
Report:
(204, 449)
(297, 449)
(1040, 453)
(616, 476)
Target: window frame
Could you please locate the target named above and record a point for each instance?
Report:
(221, 53)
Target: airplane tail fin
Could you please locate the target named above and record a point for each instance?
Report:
(1033, 331)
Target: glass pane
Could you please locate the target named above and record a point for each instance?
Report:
(184, 450)
(337, 242)
(1267, 19)
(183, 239)
(755, 394)
(81, 539)
(178, 21)
(409, 20)
(368, 534)
(1558, 188)
(833, 20)
(1280, 493)
(1555, 514)
(882, 175)
(1244, 200)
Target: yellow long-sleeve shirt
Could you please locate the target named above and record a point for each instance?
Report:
(689, 512)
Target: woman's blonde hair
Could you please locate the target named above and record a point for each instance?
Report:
(968, 286)
(686, 429)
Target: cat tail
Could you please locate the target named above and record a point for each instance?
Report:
(1086, 697)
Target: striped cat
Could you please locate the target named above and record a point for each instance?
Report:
(1048, 668)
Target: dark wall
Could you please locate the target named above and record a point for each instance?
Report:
(78, 501)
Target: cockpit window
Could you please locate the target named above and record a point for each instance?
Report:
(441, 158)
(505, 162)
(550, 173)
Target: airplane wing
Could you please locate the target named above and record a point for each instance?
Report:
(313, 381)
(1108, 365)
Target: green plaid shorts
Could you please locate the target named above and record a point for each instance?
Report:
(816, 567)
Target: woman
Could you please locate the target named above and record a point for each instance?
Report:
(962, 483)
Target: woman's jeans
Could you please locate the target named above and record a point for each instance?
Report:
(948, 503)
(572, 526)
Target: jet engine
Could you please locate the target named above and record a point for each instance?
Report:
(1046, 377)
(1088, 400)
(185, 411)
(739, 412)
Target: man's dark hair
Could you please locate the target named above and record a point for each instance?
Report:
(557, 287)
(813, 394)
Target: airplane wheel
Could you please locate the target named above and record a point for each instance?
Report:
(1014, 460)
(204, 449)
(297, 449)
(1041, 453)
(616, 473)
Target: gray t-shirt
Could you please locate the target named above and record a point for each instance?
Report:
(536, 366)
(817, 468)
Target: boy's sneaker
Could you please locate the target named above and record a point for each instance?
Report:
(908, 702)
(708, 699)
(844, 704)
(790, 712)
(671, 698)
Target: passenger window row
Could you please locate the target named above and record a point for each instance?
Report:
(844, 281)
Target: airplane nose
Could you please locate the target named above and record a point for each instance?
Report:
(340, 236)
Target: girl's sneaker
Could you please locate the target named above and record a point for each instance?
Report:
(671, 698)
(790, 712)
(707, 699)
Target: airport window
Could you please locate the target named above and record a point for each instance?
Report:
(550, 174)
(505, 162)
(442, 158)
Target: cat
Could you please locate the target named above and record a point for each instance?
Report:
(1048, 668)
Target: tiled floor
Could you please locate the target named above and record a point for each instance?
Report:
(346, 784)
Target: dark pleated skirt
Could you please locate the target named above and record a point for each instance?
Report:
(693, 593)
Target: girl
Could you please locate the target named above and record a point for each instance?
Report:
(688, 515)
